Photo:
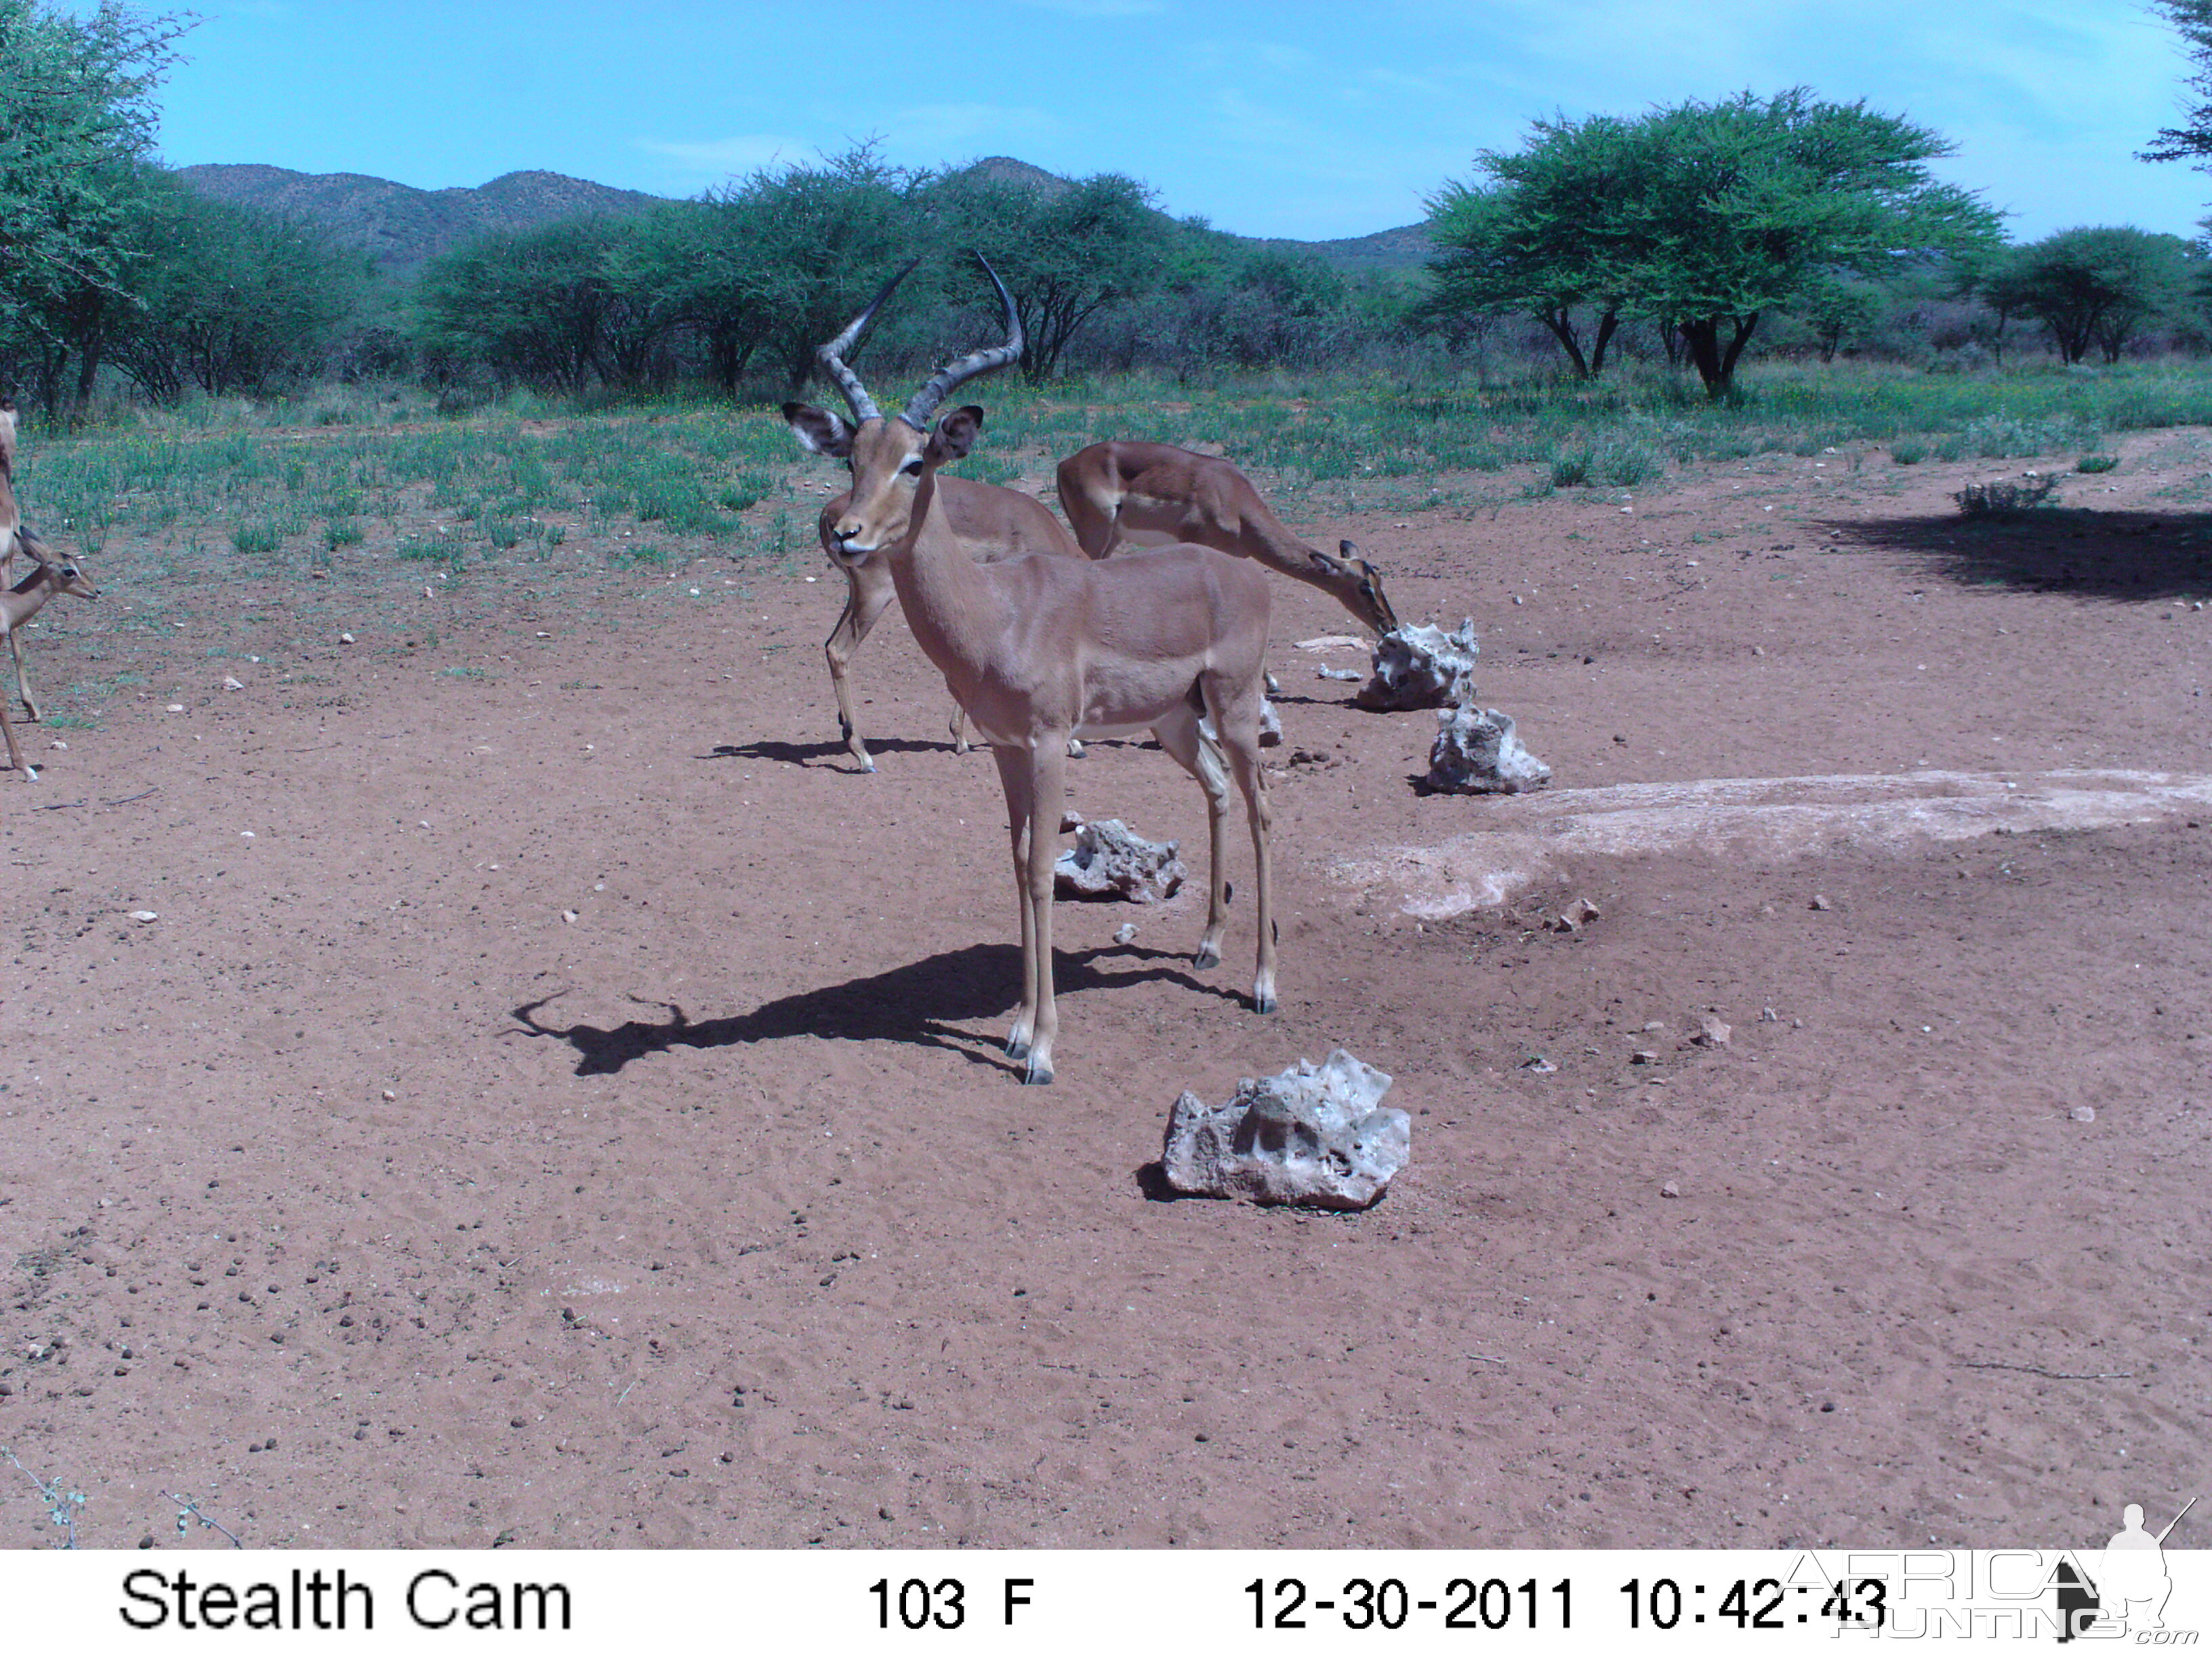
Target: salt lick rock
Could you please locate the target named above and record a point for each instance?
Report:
(1422, 668)
(1312, 1134)
(1476, 753)
(1109, 861)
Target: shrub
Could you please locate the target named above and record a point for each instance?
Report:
(341, 532)
(255, 535)
(1626, 461)
(1908, 453)
(2096, 463)
(1570, 467)
(2007, 496)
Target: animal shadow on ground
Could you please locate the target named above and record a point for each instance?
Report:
(2120, 556)
(808, 754)
(916, 1004)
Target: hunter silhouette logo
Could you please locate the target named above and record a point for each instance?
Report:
(2129, 1591)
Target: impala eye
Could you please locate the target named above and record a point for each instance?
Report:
(912, 468)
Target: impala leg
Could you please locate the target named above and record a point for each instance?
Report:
(959, 724)
(1197, 754)
(22, 682)
(15, 754)
(1048, 763)
(1252, 779)
(1014, 778)
(867, 599)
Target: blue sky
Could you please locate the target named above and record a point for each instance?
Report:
(1288, 119)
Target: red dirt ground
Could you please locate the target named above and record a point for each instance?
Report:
(367, 1197)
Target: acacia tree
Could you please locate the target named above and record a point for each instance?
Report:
(1527, 241)
(2095, 285)
(2193, 19)
(77, 123)
(809, 245)
(1065, 249)
(236, 300)
(1707, 215)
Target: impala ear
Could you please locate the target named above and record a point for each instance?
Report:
(1325, 565)
(819, 431)
(1350, 551)
(956, 433)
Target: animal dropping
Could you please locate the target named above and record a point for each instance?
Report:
(1314, 1135)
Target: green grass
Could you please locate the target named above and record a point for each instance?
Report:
(356, 486)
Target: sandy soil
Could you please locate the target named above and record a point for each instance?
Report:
(559, 1102)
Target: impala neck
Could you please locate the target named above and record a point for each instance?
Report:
(952, 608)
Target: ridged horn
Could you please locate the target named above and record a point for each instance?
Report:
(831, 355)
(917, 413)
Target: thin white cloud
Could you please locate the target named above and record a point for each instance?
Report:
(929, 134)
(719, 157)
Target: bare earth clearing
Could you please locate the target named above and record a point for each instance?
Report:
(368, 1198)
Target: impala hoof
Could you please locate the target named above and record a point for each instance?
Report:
(1037, 1074)
(1263, 1004)
(1017, 1047)
(1207, 957)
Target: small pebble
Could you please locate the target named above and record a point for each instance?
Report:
(345, 639)
(1670, 1190)
(176, 708)
(391, 1094)
(57, 744)
(232, 682)
(145, 916)
(1125, 932)
(2083, 1114)
(1820, 902)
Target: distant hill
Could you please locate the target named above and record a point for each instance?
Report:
(400, 225)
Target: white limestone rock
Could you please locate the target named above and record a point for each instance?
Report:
(1109, 860)
(1312, 1135)
(1477, 753)
(1422, 668)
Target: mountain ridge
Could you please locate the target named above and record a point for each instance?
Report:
(402, 225)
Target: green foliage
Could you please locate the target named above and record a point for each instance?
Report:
(1064, 250)
(256, 536)
(2097, 464)
(77, 123)
(1704, 216)
(236, 300)
(2193, 19)
(2094, 285)
(1907, 452)
(2001, 435)
(803, 248)
(554, 306)
(1837, 309)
